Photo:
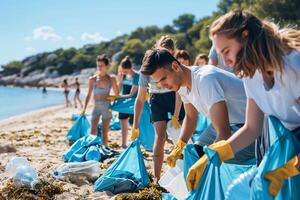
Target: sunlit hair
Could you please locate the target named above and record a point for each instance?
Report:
(103, 58)
(201, 56)
(167, 42)
(265, 46)
(126, 63)
(184, 55)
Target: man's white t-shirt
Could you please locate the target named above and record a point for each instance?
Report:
(280, 100)
(211, 85)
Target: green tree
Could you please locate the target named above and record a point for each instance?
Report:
(184, 22)
(135, 49)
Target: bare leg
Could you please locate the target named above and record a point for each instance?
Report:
(75, 102)
(94, 125)
(80, 102)
(124, 131)
(105, 129)
(158, 149)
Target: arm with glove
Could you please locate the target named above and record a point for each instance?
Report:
(138, 108)
(188, 127)
(226, 149)
(175, 119)
(88, 96)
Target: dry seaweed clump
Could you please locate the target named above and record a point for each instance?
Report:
(44, 191)
(152, 192)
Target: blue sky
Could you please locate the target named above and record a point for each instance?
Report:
(32, 26)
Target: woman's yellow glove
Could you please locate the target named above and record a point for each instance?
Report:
(175, 153)
(175, 122)
(279, 175)
(112, 97)
(134, 133)
(224, 151)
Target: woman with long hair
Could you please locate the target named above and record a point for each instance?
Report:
(267, 58)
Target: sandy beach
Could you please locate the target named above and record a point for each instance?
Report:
(40, 136)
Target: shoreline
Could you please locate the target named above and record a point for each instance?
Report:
(20, 117)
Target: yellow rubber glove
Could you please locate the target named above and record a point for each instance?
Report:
(148, 96)
(224, 151)
(279, 175)
(134, 133)
(175, 153)
(82, 112)
(175, 122)
(112, 97)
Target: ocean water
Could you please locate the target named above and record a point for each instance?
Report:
(15, 101)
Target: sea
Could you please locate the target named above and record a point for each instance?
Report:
(15, 100)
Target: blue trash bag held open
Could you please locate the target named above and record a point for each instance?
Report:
(146, 128)
(79, 129)
(283, 148)
(216, 177)
(127, 174)
(78, 150)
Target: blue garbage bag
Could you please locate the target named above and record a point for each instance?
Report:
(74, 117)
(167, 196)
(88, 148)
(202, 124)
(114, 125)
(80, 128)
(284, 147)
(127, 174)
(216, 177)
(77, 151)
(126, 105)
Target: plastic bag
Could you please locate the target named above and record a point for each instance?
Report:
(90, 169)
(127, 174)
(79, 129)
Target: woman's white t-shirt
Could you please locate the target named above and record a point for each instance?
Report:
(280, 100)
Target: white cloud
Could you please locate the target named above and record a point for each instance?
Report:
(119, 33)
(30, 50)
(44, 33)
(92, 37)
(70, 38)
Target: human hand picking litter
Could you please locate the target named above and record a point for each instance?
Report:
(175, 122)
(175, 153)
(112, 97)
(134, 133)
(82, 112)
(224, 151)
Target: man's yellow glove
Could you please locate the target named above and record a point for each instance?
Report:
(112, 97)
(224, 151)
(134, 133)
(279, 175)
(175, 153)
(175, 122)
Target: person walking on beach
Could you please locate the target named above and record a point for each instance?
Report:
(100, 85)
(77, 93)
(66, 87)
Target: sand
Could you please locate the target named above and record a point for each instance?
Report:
(40, 136)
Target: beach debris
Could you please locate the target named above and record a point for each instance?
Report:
(44, 191)
(87, 171)
(7, 148)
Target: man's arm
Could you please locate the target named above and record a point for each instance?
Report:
(189, 123)
(219, 117)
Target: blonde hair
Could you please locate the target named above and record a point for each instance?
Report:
(265, 45)
(167, 42)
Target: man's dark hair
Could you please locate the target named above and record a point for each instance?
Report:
(155, 59)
